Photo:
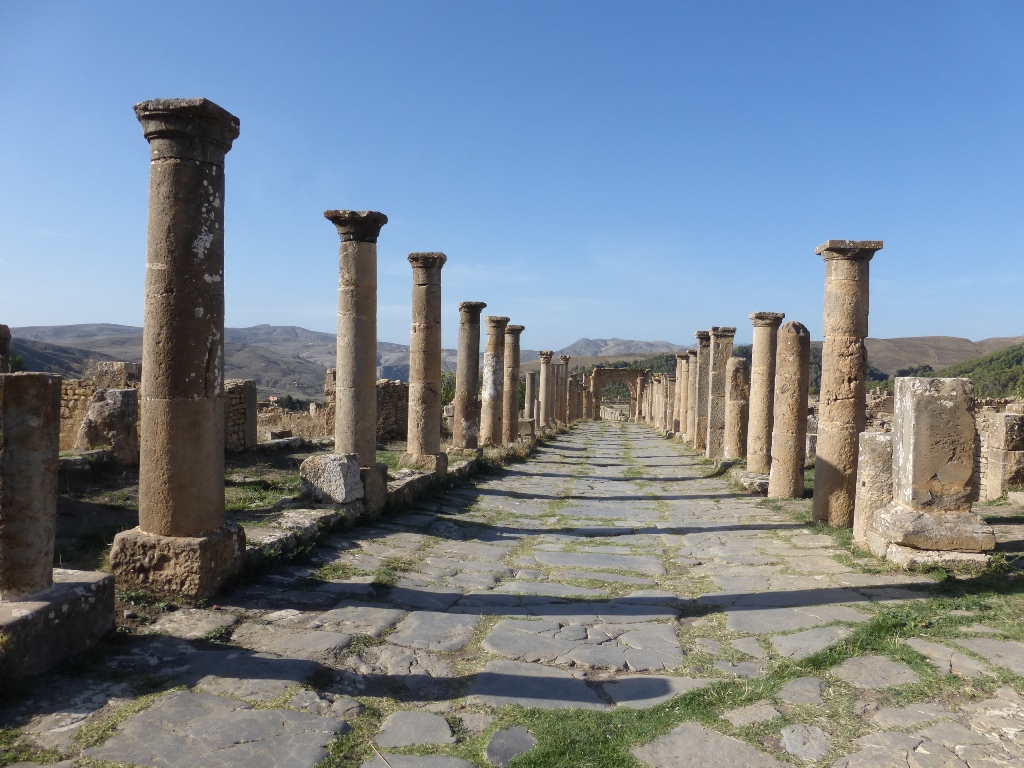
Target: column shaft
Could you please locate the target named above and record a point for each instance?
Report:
(737, 403)
(789, 436)
(721, 351)
(510, 415)
(425, 355)
(466, 425)
(545, 389)
(762, 390)
(492, 392)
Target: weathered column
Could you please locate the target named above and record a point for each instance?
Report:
(843, 369)
(183, 543)
(762, 391)
(355, 393)
(29, 448)
(700, 436)
(492, 392)
(531, 393)
(874, 481)
(789, 431)
(737, 404)
(466, 425)
(563, 402)
(721, 351)
(930, 520)
(510, 415)
(424, 444)
(678, 409)
(5, 349)
(546, 389)
(670, 405)
(691, 397)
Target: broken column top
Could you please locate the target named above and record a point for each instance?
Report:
(514, 330)
(470, 310)
(545, 355)
(767, 319)
(495, 323)
(357, 226)
(848, 249)
(189, 125)
(691, 353)
(702, 336)
(564, 358)
(428, 259)
(721, 331)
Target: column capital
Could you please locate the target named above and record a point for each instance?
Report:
(427, 260)
(495, 324)
(514, 330)
(357, 226)
(767, 319)
(703, 337)
(469, 311)
(848, 250)
(545, 356)
(691, 353)
(188, 129)
(563, 359)
(681, 355)
(721, 332)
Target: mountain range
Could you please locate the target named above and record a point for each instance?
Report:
(292, 360)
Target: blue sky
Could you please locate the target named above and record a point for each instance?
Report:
(598, 169)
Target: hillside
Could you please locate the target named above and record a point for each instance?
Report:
(1000, 374)
(586, 348)
(889, 355)
(42, 356)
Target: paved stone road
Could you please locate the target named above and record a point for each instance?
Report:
(608, 572)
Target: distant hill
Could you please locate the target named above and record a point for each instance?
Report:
(69, 362)
(939, 352)
(617, 347)
(1000, 374)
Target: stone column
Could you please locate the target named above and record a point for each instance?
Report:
(678, 407)
(5, 349)
(874, 481)
(183, 543)
(737, 404)
(691, 396)
(29, 448)
(424, 444)
(492, 393)
(930, 520)
(700, 435)
(531, 393)
(843, 369)
(721, 351)
(546, 387)
(563, 402)
(466, 425)
(789, 431)
(762, 391)
(510, 415)
(355, 393)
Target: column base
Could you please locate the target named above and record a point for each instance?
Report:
(465, 453)
(196, 566)
(42, 630)
(435, 463)
(375, 489)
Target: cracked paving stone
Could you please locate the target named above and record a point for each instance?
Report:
(803, 690)
(800, 645)
(185, 729)
(1000, 653)
(319, 645)
(758, 712)
(948, 661)
(808, 742)
(432, 631)
(532, 685)
(192, 623)
(355, 618)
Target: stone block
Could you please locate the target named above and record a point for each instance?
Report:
(46, 628)
(435, 464)
(939, 530)
(331, 478)
(1006, 431)
(1005, 470)
(874, 481)
(933, 443)
(196, 566)
(112, 422)
(115, 374)
(375, 489)
(906, 557)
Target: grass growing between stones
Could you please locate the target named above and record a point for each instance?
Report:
(259, 493)
(15, 747)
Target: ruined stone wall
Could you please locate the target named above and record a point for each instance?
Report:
(240, 406)
(75, 396)
(392, 410)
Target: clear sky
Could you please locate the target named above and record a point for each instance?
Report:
(597, 169)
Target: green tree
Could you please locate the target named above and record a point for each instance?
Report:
(447, 387)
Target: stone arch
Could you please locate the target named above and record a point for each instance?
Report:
(631, 377)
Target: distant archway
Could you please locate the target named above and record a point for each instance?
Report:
(631, 377)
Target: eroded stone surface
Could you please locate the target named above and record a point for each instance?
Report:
(875, 672)
(691, 745)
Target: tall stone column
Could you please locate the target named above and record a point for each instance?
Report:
(531, 393)
(762, 391)
(721, 351)
(466, 426)
(29, 448)
(691, 396)
(5, 349)
(737, 406)
(670, 406)
(789, 433)
(355, 394)
(700, 436)
(563, 402)
(510, 415)
(678, 415)
(843, 369)
(492, 392)
(546, 389)
(183, 543)
(424, 444)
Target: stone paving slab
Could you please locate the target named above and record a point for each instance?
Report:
(193, 623)
(532, 685)
(875, 672)
(184, 730)
(691, 745)
(433, 631)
